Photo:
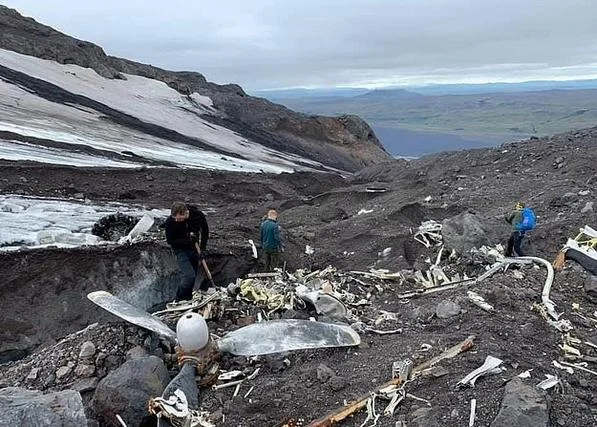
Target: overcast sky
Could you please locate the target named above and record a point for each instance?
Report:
(264, 44)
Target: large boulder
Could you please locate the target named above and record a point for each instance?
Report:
(21, 407)
(127, 390)
(464, 232)
(522, 405)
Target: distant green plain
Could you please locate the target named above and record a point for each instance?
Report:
(511, 115)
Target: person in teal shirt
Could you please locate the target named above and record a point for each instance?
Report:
(271, 240)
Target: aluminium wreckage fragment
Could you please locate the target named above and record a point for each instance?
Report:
(549, 382)
(491, 366)
(349, 409)
(479, 301)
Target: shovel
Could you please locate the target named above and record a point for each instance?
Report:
(275, 336)
(205, 267)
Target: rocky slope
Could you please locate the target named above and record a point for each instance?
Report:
(346, 143)
(353, 228)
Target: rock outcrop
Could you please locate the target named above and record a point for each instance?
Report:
(21, 407)
(127, 390)
(347, 142)
(523, 405)
(464, 232)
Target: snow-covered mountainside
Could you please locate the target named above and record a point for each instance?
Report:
(111, 112)
(70, 104)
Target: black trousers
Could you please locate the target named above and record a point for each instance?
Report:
(272, 260)
(515, 243)
(188, 263)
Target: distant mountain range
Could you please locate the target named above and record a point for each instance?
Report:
(420, 120)
(435, 89)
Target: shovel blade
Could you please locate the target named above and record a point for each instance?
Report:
(278, 336)
(130, 313)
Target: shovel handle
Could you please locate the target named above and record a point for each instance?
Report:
(204, 264)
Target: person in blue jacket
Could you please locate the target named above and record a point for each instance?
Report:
(271, 240)
(522, 219)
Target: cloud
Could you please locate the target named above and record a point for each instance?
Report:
(287, 43)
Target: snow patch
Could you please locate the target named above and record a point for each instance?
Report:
(16, 150)
(34, 222)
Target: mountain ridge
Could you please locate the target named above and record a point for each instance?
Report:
(349, 143)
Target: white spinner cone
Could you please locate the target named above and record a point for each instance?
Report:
(192, 332)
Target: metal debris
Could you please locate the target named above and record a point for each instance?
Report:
(225, 376)
(562, 325)
(402, 369)
(565, 368)
(549, 382)
(548, 304)
(176, 410)
(429, 233)
(254, 374)
(345, 411)
(471, 418)
(426, 347)
(385, 253)
(585, 243)
(568, 349)
(371, 413)
(120, 420)
(491, 366)
(384, 316)
(248, 392)
(581, 366)
(431, 290)
(226, 385)
(142, 226)
(253, 249)
(525, 374)
(479, 301)
(323, 302)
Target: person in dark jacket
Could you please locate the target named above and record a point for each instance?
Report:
(186, 227)
(515, 240)
(271, 240)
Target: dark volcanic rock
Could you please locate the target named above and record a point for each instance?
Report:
(464, 232)
(20, 407)
(27, 36)
(523, 405)
(127, 390)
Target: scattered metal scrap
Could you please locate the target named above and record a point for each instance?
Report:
(429, 233)
(548, 305)
(367, 399)
(582, 249)
(176, 410)
(581, 366)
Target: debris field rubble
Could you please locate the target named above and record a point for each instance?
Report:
(386, 307)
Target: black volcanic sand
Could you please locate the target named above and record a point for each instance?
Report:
(557, 176)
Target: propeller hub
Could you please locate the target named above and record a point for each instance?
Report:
(192, 332)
